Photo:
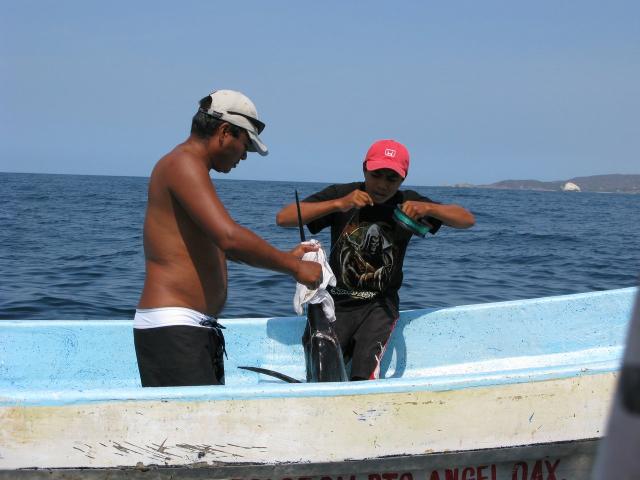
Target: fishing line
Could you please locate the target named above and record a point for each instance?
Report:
(408, 223)
(417, 227)
(301, 225)
(335, 244)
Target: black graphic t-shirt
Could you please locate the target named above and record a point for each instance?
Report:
(367, 245)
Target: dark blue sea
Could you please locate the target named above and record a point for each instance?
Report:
(71, 246)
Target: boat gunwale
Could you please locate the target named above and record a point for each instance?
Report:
(580, 364)
(20, 397)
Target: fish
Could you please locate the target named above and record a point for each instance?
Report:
(322, 352)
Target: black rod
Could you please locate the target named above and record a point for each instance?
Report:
(300, 225)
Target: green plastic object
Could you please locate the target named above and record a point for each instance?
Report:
(410, 224)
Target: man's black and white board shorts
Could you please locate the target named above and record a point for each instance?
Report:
(177, 346)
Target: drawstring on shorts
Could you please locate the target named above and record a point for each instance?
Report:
(215, 332)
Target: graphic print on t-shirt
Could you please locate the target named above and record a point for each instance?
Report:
(366, 256)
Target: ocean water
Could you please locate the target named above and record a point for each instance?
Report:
(71, 246)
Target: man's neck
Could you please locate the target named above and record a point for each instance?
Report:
(200, 148)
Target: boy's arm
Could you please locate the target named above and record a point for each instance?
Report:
(310, 211)
(452, 215)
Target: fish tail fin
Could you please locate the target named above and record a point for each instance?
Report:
(272, 373)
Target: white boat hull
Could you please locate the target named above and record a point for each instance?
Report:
(523, 405)
(299, 431)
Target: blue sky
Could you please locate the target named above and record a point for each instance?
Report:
(478, 91)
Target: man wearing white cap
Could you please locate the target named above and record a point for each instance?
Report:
(188, 236)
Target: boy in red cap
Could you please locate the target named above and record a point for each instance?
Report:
(368, 247)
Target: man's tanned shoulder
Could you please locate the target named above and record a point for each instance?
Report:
(180, 166)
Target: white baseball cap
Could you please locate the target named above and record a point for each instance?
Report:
(235, 108)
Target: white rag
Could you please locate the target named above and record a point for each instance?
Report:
(320, 295)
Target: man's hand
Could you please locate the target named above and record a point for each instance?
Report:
(309, 274)
(415, 210)
(299, 250)
(355, 199)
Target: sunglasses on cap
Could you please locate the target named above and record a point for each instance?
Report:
(257, 124)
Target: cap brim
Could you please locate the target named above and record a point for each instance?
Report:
(256, 144)
(379, 165)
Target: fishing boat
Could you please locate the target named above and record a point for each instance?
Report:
(510, 390)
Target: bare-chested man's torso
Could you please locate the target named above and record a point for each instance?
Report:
(184, 268)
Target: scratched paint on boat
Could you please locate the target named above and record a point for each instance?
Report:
(276, 430)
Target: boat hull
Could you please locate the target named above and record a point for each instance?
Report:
(567, 461)
(512, 390)
(303, 431)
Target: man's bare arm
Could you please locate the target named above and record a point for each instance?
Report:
(452, 215)
(298, 251)
(191, 186)
(310, 211)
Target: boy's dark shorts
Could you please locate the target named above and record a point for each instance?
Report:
(180, 356)
(364, 332)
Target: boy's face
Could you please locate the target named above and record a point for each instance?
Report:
(381, 184)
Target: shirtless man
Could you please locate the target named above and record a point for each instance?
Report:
(188, 236)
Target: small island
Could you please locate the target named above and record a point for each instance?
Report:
(615, 183)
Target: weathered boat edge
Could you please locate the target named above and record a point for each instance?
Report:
(275, 345)
(536, 403)
(400, 467)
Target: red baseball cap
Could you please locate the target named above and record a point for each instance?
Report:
(388, 154)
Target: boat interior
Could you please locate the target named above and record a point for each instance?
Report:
(62, 361)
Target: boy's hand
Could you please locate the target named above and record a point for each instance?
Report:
(299, 250)
(309, 274)
(414, 209)
(356, 199)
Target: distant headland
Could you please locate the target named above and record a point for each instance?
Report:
(616, 183)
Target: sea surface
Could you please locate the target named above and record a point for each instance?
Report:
(71, 246)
